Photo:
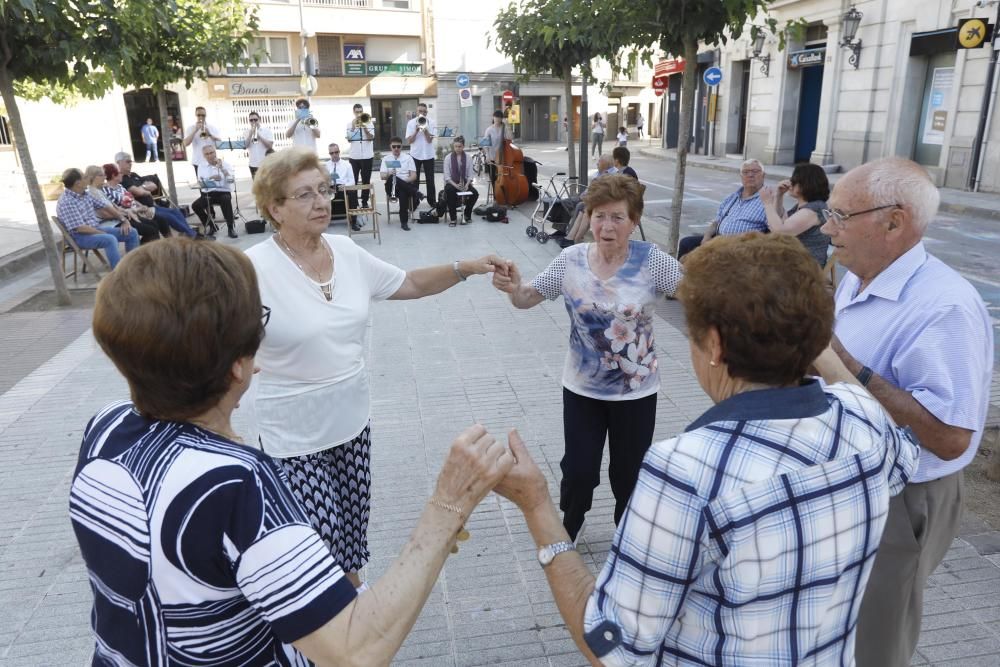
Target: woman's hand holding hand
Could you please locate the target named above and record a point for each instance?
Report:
(525, 484)
(475, 463)
(507, 280)
(483, 265)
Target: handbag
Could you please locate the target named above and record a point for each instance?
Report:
(428, 218)
(255, 226)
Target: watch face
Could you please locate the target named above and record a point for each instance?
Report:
(545, 555)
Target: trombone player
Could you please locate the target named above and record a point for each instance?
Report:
(259, 141)
(304, 130)
(362, 149)
(198, 136)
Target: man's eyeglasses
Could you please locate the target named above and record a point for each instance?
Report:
(605, 218)
(255, 120)
(840, 218)
(395, 146)
(265, 315)
(310, 196)
(334, 152)
(199, 115)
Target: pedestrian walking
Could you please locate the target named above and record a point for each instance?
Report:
(150, 137)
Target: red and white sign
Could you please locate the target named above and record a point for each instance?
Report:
(658, 92)
(668, 67)
(508, 96)
(660, 83)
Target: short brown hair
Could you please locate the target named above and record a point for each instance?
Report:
(766, 296)
(173, 317)
(615, 188)
(812, 181)
(275, 172)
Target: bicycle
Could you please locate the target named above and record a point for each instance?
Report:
(479, 162)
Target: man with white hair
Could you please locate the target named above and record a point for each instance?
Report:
(918, 336)
(740, 212)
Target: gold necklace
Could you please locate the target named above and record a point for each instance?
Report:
(325, 288)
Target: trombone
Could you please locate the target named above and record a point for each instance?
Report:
(362, 120)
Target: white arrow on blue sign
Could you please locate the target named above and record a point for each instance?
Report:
(462, 80)
(713, 76)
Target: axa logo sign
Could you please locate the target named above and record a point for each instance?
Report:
(354, 52)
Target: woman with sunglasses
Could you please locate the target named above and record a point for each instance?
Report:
(810, 188)
(312, 404)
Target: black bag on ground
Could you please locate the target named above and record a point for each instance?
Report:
(480, 210)
(496, 214)
(255, 226)
(428, 218)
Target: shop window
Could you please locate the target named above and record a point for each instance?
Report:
(330, 55)
(273, 54)
(395, 4)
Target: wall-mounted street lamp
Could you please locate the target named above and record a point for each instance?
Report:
(758, 47)
(851, 21)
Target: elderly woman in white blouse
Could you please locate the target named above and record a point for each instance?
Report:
(312, 405)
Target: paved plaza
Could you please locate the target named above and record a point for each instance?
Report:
(437, 365)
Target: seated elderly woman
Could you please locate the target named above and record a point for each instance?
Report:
(164, 218)
(751, 535)
(196, 551)
(809, 187)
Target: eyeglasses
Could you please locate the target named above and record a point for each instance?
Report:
(310, 196)
(255, 120)
(265, 316)
(840, 218)
(605, 218)
(395, 146)
(751, 172)
(199, 115)
(334, 152)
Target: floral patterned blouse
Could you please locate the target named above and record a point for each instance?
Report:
(612, 352)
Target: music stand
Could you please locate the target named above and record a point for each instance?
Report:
(356, 135)
(485, 142)
(231, 145)
(447, 132)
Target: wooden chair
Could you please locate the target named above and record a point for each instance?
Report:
(389, 211)
(69, 246)
(368, 212)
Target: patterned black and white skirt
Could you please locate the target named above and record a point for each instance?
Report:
(334, 488)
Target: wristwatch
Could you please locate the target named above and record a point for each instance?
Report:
(550, 551)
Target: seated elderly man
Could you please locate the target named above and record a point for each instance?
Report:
(749, 537)
(147, 190)
(742, 211)
(81, 215)
(581, 221)
(215, 178)
(342, 174)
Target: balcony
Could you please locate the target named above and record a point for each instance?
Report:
(345, 17)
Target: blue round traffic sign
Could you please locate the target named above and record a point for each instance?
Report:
(462, 80)
(713, 76)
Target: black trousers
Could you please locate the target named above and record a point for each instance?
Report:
(148, 230)
(451, 197)
(223, 200)
(688, 244)
(426, 167)
(362, 167)
(407, 194)
(628, 426)
(339, 201)
(253, 172)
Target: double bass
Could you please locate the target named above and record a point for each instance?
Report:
(512, 186)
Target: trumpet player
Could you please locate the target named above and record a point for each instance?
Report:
(362, 149)
(198, 136)
(304, 130)
(259, 141)
(400, 181)
(215, 179)
(420, 133)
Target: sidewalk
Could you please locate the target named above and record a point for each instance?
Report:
(437, 365)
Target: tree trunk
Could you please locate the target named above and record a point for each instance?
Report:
(584, 119)
(31, 179)
(689, 84)
(167, 133)
(570, 146)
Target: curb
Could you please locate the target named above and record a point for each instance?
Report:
(22, 260)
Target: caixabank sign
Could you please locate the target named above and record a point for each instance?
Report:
(806, 58)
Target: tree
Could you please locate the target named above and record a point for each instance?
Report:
(193, 37)
(543, 36)
(49, 46)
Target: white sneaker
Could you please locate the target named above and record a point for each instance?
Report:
(362, 588)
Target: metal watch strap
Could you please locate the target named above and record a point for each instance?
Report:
(554, 550)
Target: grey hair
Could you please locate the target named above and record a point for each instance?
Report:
(91, 172)
(752, 162)
(895, 180)
(122, 156)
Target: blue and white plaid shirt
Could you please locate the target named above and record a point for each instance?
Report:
(749, 538)
(75, 210)
(737, 215)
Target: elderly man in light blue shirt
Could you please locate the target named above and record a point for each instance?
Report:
(919, 337)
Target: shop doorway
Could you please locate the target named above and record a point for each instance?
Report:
(673, 107)
(535, 120)
(142, 104)
(391, 117)
(810, 92)
(935, 102)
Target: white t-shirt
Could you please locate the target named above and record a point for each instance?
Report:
(256, 150)
(361, 150)
(303, 136)
(406, 164)
(198, 143)
(312, 389)
(422, 148)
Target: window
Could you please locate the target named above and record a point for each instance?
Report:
(330, 61)
(276, 114)
(395, 4)
(273, 55)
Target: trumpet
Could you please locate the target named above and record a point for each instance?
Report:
(203, 133)
(363, 119)
(311, 121)
(253, 139)
(421, 121)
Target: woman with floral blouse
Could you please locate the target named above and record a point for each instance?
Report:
(610, 379)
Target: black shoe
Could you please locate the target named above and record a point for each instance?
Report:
(468, 218)
(355, 226)
(557, 234)
(565, 243)
(405, 225)
(232, 234)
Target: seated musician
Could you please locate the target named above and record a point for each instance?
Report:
(341, 174)
(401, 181)
(458, 178)
(215, 179)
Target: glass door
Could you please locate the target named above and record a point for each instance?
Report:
(391, 117)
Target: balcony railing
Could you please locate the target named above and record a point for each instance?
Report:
(352, 4)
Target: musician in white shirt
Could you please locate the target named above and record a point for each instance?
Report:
(401, 181)
(216, 179)
(362, 149)
(458, 178)
(259, 140)
(341, 175)
(199, 135)
(420, 134)
(302, 131)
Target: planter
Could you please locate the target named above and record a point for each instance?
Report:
(52, 191)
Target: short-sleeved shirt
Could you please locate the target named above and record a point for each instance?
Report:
(362, 149)
(132, 179)
(406, 163)
(925, 329)
(312, 389)
(612, 349)
(737, 215)
(496, 136)
(257, 150)
(422, 148)
(749, 538)
(150, 133)
(196, 550)
(302, 136)
(199, 142)
(815, 241)
(75, 210)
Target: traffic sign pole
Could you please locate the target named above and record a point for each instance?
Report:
(712, 79)
(975, 166)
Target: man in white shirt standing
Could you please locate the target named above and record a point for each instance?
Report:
(216, 179)
(362, 149)
(341, 175)
(259, 140)
(400, 181)
(458, 178)
(198, 136)
(302, 131)
(420, 134)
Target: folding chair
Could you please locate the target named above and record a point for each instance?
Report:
(369, 212)
(389, 211)
(69, 245)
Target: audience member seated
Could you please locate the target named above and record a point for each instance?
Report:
(82, 217)
(742, 211)
(621, 156)
(140, 216)
(215, 178)
(146, 190)
(581, 221)
(401, 181)
(342, 174)
(458, 177)
(810, 188)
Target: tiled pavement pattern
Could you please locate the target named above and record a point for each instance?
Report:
(437, 365)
